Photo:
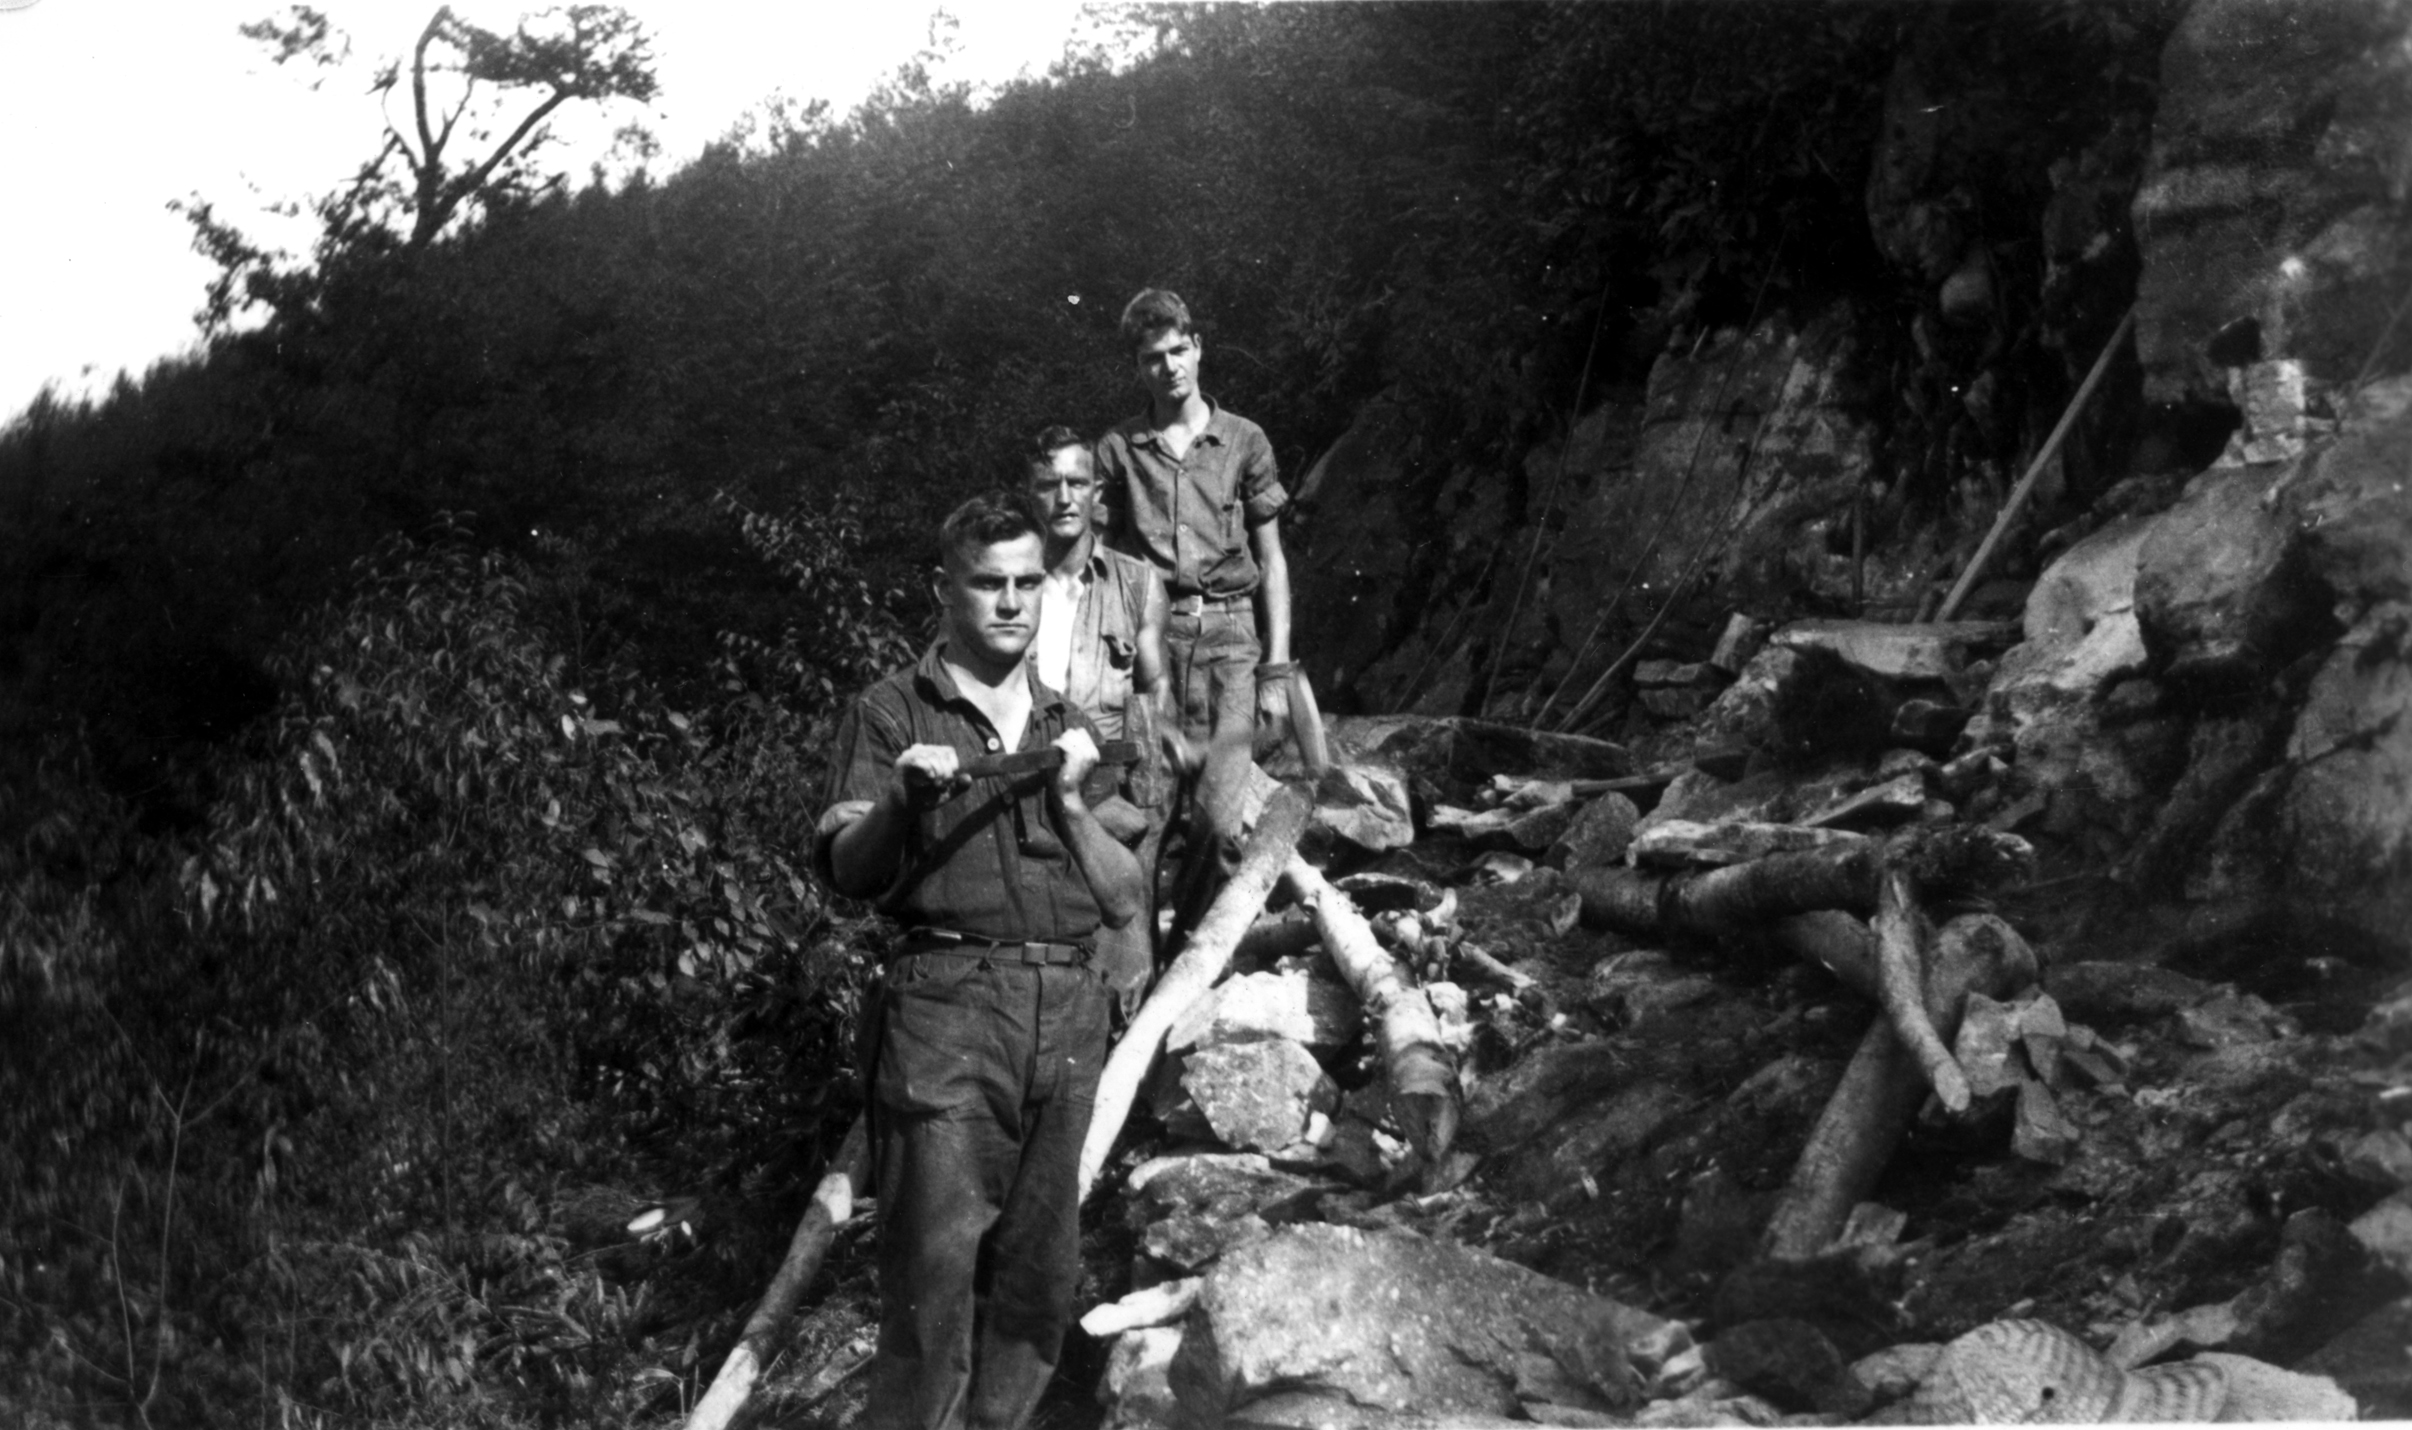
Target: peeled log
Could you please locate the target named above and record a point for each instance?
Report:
(1900, 977)
(1630, 901)
(832, 1203)
(1203, 959)
(1863, 1121)
(1422, 1075)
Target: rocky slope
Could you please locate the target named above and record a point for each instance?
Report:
(2185, 690)
(2181, 1185)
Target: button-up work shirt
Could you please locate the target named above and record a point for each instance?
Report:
(1095, 636)
(1190, 515)
(991, 861)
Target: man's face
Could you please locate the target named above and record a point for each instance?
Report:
(1067, 493)
(1168, 366)
(991, 596)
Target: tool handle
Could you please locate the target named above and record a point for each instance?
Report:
(1026, 762)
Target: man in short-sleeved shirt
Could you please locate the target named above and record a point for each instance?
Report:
(1196, 492)
(992, 1024)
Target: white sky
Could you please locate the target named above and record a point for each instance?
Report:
(108, 110)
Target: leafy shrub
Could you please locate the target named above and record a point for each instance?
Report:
(457, 938)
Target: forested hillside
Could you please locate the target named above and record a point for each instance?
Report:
(410, 706)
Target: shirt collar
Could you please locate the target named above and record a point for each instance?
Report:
(1211, 432)
(938, 683)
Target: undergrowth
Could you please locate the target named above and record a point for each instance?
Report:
(336, 1110)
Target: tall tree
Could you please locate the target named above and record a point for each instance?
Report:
(464, 74)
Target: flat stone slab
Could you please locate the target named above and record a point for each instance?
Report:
(1256, 1007)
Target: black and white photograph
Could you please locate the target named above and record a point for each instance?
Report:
(1118, 715)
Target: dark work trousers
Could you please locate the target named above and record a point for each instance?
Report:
(986, 1074)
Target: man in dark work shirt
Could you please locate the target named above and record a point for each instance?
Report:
(993, 1025)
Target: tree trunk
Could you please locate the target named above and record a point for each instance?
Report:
(1742, 896)
(832, 1203)
(1854, 1138)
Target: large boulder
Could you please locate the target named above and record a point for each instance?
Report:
(2046, 699)
(2355, 508)
(2346, 819)
(2089, 583)
(1366, 805)
(1258, 1096)
(2271, 210)
(1391, 1323)
(2221, 588)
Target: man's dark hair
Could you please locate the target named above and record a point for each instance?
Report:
(1153, 311)
(984, 521)
(1040, 454)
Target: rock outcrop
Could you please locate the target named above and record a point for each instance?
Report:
(2271, 213)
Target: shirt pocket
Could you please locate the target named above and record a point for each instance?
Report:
(1120, 650)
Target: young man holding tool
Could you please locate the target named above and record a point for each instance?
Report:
(957, 805)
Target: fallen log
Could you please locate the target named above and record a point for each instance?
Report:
(1835, 941)
(1901, 980)
(832, 1203)
(1422, 1075)
(1204, 957)
(1734, 898)
(1864, 1119)
(1845, 875)
(1270, 940)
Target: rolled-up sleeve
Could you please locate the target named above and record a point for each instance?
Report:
(1261, 491)
(865, 751)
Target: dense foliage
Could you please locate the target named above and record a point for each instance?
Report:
(462, 941)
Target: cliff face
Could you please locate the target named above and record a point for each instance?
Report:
(2209, 572)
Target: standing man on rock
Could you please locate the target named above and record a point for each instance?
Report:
(992, 1023)
(1101, 642)
(1197, 494)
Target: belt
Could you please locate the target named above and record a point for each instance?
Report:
(1196, 603)
(1035, 952)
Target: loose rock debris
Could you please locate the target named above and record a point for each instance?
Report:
(1625, 1091)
